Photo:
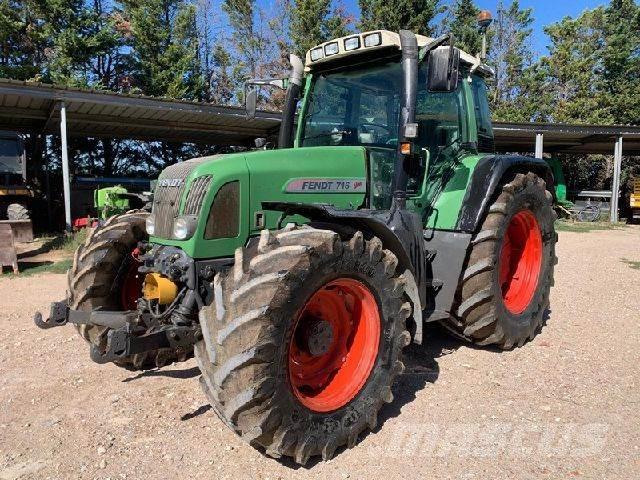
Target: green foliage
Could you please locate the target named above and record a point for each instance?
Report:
(515, 93)
(584, 227)
(631, 263)
(313, 22)
(164, 40)
(621, 61)
(414, 15)
(60, 267)
(463, 24)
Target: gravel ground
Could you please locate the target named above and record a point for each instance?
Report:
(564, 406)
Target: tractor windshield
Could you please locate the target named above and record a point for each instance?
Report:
(361, 105)
(10, 156)
(354, 107)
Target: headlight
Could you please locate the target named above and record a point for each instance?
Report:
(150, 224)
(373, 40)
(352, 43)
(316, 54)
(184, 227)
(331, 48)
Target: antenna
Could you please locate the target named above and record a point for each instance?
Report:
(484, 21)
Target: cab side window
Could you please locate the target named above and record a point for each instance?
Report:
(439, 120)
(483, 115)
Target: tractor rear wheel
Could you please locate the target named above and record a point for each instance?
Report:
(303, 340)
(505, 285)
(105, 275)
(17, 211)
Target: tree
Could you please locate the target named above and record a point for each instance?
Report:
(313, 22)
(246, 39)
(221, 82)
(621, 61)
(414, 15)
(462, 22)
(17, 55)
(512, 59)
(165, 48)
(574, 69)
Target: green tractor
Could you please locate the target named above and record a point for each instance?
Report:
(298, 275)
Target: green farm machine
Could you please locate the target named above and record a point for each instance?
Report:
(297, 275)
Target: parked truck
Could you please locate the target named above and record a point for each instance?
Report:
(299, 274)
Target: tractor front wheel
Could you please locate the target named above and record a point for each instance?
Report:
(504, 290)
(303, 340)
(105, 275)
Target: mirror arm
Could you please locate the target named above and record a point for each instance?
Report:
(441, 40)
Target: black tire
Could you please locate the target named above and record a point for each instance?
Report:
(17, 211)
(243, 357)
(96, 276)
(481, 315)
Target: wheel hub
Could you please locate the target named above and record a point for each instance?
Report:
(334, 345)
(318, 336)
(520, 261)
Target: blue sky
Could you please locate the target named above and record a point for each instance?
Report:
(544, 12)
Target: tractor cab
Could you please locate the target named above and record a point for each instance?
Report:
(351, 92)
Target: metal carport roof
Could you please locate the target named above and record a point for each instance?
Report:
(35, 107)
(561, 138)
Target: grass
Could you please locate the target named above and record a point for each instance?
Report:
(59, 267)
(581, 227)
(633, 264)
(64, 242)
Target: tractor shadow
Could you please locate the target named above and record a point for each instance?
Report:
(421, 368)
(181, 374)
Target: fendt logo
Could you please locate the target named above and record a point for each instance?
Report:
(170, 182)
(326, 185)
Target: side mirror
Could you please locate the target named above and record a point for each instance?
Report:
(251, 101)
(444, 69)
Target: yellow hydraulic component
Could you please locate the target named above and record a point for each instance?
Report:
(635, 196)
(157, 287)
(15, 191)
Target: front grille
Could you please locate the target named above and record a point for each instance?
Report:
(195, 197)
(169, 191)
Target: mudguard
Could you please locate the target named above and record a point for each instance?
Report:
(485, 180)
(400, 231)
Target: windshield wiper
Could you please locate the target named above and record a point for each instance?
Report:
(327, 134)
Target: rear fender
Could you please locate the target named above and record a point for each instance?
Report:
(487, 178)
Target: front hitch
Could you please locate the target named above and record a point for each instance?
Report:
(125, 336)
(60, 314)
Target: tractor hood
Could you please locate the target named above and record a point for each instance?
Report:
(221, 196)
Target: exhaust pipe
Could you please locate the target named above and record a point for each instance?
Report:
(409, 45)
(285, 137)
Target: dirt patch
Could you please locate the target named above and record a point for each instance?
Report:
(564, 406)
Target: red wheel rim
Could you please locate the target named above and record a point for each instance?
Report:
(334, 345)
(520, 261)
(131, 283)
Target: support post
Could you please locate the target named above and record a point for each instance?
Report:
(65, 167)
(615, 184)
(539, 145)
